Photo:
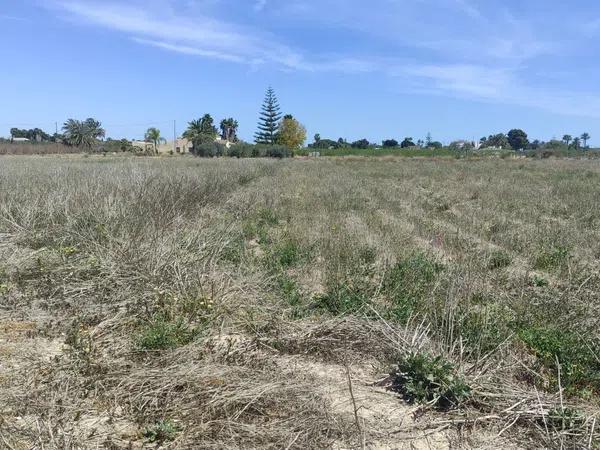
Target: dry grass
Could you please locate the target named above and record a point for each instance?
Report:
(185, 303)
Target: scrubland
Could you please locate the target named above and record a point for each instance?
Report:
(327, 303)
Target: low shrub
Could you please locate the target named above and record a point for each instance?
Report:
(407, 284)
(162, 431)
(209, 149)
(342, 299)
(552, 257)
(499, 259)
(423, 378)
(162, 333)
(579, 363)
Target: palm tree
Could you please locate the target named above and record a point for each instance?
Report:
(576, 143)
(193, 130)
(567, 138)
(229, 129)
(201, 130)
(585, 137)
(83, 134)
(153, 135)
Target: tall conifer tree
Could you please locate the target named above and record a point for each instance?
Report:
(268, 122)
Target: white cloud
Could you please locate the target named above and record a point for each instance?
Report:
(480, 59)
(259, 5)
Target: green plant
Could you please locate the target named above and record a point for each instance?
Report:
(539, 281)
(578, 359)
(342, 299)
(161, 334)
(285, 254)
(565, 419)
(485, 327)
(422, 378)
(499, 259)
(551, 257)
(407, 283)
(161, 431)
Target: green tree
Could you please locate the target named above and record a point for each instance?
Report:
(497, 140)
(291, 133)
(576, 143)
(317, 138)
(201, 131)
(390, 143)
(268, 122)
(567, 138)
(229, 129)
(153, 135)
(517, 139)
(361, 143)
(407, 142)
(428, 140)
(83, 134)
(585, 137)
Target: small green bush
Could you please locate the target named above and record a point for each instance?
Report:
(285, 254)
(162, 334)
(552, 257)
(407, 284)
(485, 328)
(423, 378)
(209, 149)
(580, 368)
(162, 431)
(499, 259)
(539, 281)
(342, 299)
(565, 419)
(244, 150)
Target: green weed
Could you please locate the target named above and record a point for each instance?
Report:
(423, 378)
(407, 284)
(499, 259)
(162, 334)
(342, 299)
(579, 363)
(553, 257)
(162, 431)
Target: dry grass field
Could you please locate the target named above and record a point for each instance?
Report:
(183, 303)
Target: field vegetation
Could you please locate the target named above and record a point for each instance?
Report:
(289, 303)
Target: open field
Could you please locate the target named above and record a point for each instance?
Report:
(186, 303)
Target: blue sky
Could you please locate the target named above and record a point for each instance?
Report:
(379, 69)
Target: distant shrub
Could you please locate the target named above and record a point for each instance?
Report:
(361, 143)
(244, 150)
(390, 143)
(423, 378)
(241, 150)
(208, 149)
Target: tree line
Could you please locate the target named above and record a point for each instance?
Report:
(275, 129)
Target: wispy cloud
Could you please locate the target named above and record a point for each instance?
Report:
(259, 5)
(484, 63)
(14, 18)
